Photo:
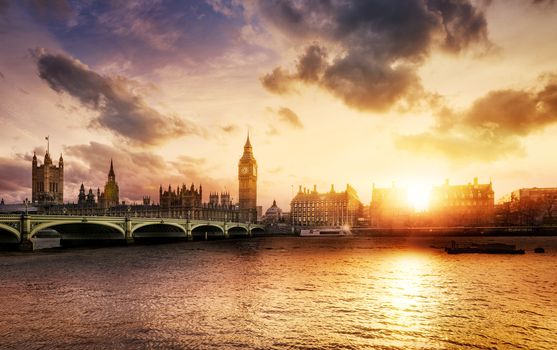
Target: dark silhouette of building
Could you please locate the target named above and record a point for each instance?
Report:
(47, 181)
(86, 199)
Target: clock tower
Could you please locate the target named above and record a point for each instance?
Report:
(247, 178)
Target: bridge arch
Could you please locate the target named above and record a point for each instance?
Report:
(83, 229)
(158, 229)
(9, 234)
(207, 231)
(257, 231)
(238, 231)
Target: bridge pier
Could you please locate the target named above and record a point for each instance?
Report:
(225, 230)
(128, 230)
(26, 244)
(189, 234)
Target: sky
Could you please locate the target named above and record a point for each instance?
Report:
(379, 92)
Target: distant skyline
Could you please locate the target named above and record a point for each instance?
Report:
(333, 92)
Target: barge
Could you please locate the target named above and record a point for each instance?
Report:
(489, 248)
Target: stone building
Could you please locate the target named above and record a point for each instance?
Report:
(462, 205)
(223, 200)
(111, 195)
(311, 208)
(86, 200)
(47, 181)
(273, 214)
(247, 184)
(181, 197)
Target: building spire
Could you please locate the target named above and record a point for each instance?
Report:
(111, 172)
(47, 144)
(248, 143)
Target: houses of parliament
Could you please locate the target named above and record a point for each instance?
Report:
(181, 201)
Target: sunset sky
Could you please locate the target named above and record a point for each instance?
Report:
(359, 92)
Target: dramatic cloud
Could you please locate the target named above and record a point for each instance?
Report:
(375, 46)
(51, 10)
(279, 81)
(15, 175)
(289, 117)
(491, 127)
(137, 173)
(119, 108)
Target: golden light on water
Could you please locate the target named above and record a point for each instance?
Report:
(405, 285)
(405, 302)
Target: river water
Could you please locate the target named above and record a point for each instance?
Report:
(281, 292)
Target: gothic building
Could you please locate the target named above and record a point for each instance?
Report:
(47, 181)
(111, 195)
(181, 197)
(86, 200)
(224, 202)
(247, 179)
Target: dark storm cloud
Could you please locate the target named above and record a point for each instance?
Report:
(51, 9)
(4, 4)
(462, 22)
(120, 109)
(491, 128)
(375, 46)
(279, 81)
(289, 117)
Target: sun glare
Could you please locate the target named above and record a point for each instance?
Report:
(418, 197)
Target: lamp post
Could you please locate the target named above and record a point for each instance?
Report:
(26, 203)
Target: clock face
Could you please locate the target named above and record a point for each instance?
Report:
(245, 170)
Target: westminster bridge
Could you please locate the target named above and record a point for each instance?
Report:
(21, 229)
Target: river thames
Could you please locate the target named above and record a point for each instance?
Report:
(281, 292)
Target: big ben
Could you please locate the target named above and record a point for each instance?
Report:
(247, 178)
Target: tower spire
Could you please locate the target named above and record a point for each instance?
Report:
(111, 172)
(248, 143)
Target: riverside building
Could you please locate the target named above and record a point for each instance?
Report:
(462, 205)
(311, 208)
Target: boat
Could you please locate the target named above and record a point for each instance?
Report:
(539, 250)
(489, 248)
(326, 232)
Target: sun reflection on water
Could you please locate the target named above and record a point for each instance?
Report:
(405, 298)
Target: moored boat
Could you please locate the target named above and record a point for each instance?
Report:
(325, 232)
(489, 248)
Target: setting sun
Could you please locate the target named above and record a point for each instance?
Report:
(418, 197)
